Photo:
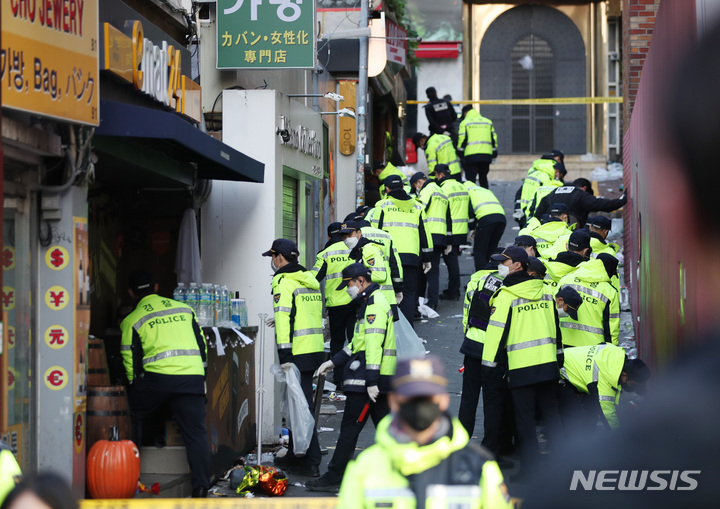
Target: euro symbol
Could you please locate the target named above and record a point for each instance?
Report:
(55, 378)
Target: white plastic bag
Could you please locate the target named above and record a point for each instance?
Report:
(294, 408)
(408, 343)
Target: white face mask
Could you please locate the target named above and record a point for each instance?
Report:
(503, 270)
(353, 291)
(272, 265)
(351, 242)
(562, 313)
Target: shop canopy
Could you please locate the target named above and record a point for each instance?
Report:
(138, 144)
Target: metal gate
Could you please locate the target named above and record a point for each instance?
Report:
(529, 52)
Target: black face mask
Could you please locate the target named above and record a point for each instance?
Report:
(419, 413)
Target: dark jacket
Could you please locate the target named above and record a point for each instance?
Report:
(580, 203)
(440, 112)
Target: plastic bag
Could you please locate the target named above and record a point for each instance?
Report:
(294, 408)
(408, 343)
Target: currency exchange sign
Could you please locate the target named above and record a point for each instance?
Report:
(265, 34)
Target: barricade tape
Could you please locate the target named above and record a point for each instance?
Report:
(545, 100)
(224, 503)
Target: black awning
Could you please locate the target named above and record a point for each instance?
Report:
(169, 134)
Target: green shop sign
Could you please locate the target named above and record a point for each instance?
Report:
(265, 34)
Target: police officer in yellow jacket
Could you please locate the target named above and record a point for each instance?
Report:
(439, 149)
(329, 265)
(523, 330)
(457, 219)
(10, 473)
(599, 228)
(370, 254)
(404, 218)
(550, 229)
(477, 142)
(297, 303)
(487, 223)
(598, 320)
(568, 261)
(369, 363)
(436, 205)
(164, 353)
(593, 377)
(422, 458)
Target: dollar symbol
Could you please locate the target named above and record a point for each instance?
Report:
(7, 258)
(56, 258)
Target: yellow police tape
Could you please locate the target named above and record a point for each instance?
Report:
(223, 503)
(545, 100)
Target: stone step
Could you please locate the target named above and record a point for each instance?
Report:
(170, 459)
(515, 167)
(171, 485)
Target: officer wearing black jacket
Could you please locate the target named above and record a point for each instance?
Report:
(579, 198)
(440, 113)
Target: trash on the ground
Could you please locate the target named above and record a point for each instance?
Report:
(515, 228)
(323, 429)
(424, 341)
(456, 316)
(251, 459)
(268, 480)
(426, 310)
(424, 321)
(329, 386)
(427, 352)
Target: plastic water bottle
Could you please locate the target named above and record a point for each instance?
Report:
(235, 311)
(192, 297)
(179, 292)
(217, 310)
(243, 313)
(224, 304)
(205, 306)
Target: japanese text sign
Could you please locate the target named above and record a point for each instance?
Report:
(49, 58)
(265, 34)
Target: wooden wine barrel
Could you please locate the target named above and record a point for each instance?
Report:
(107, 407)
(98, 374)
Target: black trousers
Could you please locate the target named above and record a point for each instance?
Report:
(471, 385)
(477, 169)
(429, 284)
(350, 429)
(453, 265)
(409, 304)
(189, 411)
(342, 322)
(525, 400)
(497, 409)
(576, 410)
(486, 241)
(312, 456)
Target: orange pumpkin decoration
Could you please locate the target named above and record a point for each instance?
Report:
(113, 468)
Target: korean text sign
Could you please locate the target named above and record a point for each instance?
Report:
(49, 58)
(265, 34)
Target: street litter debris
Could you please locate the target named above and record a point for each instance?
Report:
(322, 429)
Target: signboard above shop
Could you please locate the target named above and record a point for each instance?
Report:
(265, 34)
(49, 58)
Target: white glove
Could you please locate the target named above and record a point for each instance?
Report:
(324, 368)
(518, 214)
(472, 234)
(398, 297)
(373, 392)
(447, 250)
(426, 267)
(270, 322)
(287, 366)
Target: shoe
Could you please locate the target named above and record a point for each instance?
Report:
(304, 470)
(447, 296)
(323, 484)
(505, 464)
(199, 492)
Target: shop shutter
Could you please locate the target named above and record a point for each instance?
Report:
(290, 209)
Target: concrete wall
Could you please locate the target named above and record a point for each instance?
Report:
(240, 220)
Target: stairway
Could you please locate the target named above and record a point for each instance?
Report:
(512, 167)
(168, 467)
